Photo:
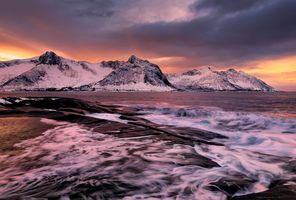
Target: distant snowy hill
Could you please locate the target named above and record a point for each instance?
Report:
(206, 78)
(52, 72)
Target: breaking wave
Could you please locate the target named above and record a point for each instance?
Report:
(252, 131)
(258, 146)
(215, 118)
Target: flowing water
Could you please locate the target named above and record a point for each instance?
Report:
(71, 161)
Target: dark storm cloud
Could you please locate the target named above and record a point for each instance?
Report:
(71, 26)
(91, 8)
(226, 6)
(223, 32)
(255, 29)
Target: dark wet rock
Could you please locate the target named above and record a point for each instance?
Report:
(195, 159)
(178, 133)
(291, 166)
(74, 111)
(285, 192)
(231, 186)
(136, 129)
(16, 129)
(54, 103)
(197, 133)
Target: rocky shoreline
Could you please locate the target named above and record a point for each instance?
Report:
(127, 125)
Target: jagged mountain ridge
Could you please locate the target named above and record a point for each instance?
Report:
(206, 78)
(13, 68)
(136, 74)
(52, 72)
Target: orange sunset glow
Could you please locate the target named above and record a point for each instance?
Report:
(278, 72)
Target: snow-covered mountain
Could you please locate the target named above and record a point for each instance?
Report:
(52, 72)
(13, 68)
(205, 78)
(135, 74)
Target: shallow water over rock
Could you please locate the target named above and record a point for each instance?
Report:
(95, 151)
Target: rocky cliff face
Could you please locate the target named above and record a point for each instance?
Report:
(49, 58)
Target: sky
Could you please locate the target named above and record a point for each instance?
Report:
(255, 36)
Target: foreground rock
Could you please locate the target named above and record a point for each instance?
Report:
(111, 152)
(287, 192)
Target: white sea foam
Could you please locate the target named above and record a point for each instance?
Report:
(75, 159)
(53, 122)
(71, 160)
(108, 116)
(18, 100)
(252, 131)
(3, 101)
(255, 145)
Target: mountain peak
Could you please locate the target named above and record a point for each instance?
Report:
(49, 58)
(232, 70)
(191, 72)
(205, 78)
(135, 60)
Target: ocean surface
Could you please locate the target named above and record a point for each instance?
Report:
(256, 151)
